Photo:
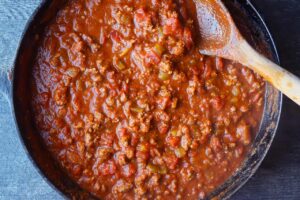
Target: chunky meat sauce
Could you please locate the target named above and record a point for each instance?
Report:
(130, 108)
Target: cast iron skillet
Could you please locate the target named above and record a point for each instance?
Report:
(16, 88)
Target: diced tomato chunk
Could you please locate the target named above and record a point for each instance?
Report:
(173, 141)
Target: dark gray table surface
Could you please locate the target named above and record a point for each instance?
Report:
(277, 178)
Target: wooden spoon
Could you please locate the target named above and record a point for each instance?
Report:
(220, 37)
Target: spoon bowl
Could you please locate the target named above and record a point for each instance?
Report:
(215, 26)
(220, 37)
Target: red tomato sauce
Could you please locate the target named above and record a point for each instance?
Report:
(130, 108)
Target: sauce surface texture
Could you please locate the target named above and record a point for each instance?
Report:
(131, 110)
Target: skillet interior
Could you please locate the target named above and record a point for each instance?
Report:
(249, 23)
(256, 32)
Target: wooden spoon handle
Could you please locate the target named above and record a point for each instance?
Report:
(280, 78)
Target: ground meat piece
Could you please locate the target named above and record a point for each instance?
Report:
(162, 116)
(187, 174)
(141, 177)
(162, 128)
(186, 141)
(140, 190)
(76, 170)
(172, 25)
(73, 156)
(166, 66)
(60, 95)
(72, 72)
(187, 38)
(77, 47)
(217, 103)
(151, 57)
(142, 18)
(120, 158)
(123, 135)
(126, 108)
(142, 152)
(176, 48)
(107, 168)
(107, 139)
(108, 111)
(192, 88)
(154, 181)
(129, 170)
(103, 153)
(93, 45)
(173, 186)
(145, 125)
(162, 102)
(171, 160)
(121, 186)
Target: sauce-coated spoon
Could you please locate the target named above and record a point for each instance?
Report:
(220, 37)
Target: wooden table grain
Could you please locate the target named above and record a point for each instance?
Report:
(277, 178)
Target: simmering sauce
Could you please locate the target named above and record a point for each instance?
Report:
(129, 107)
